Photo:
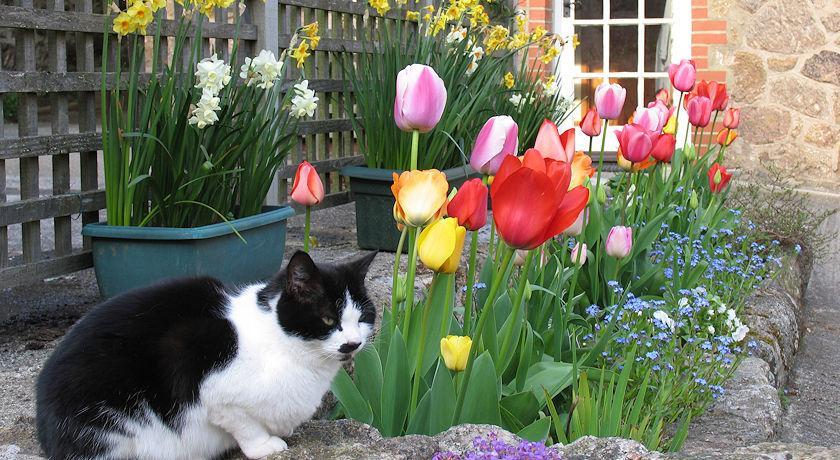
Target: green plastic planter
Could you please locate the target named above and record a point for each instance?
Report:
(371, 190)
(128, 257)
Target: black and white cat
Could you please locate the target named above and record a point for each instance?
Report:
(189, 370)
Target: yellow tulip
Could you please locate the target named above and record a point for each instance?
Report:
(440, 245)
(455, 350)
(420, 197)
(671, 126)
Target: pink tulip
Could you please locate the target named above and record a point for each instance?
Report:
(636, 142)
(619, 241)
(421, 98)
(591, 124)
(651, 119)
(609, 100)
(579, 254)
(732, 118)
(683, 75)
(497, 138)
(699, 110)
(551, 144)
(307, 190)
(662, 108)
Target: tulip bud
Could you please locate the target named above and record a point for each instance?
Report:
(578, 255)
(519, 257)
(732, 118)
(307, 189)
(649, 118)
(399, 292)
(469, 205)
(689, 152)
(528, 291)
(619, 241)
(591, 124)
(683, 75)
(718, 178)
(601, 194)
(665, 171)
(609, 100)
(421, 98)
(693, 201)
(552, 144)
(498, 138)
(726, 137)
(455, 351)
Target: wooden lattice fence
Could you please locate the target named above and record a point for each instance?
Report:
(51, 180)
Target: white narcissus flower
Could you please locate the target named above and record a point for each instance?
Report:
(740, 333)
(267, 68)
(212, 74)
(456, 36)
(304, 103)
(518, 100)
(204, 113)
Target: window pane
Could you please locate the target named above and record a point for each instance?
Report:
(656, 9)
(652, 85)
(624, 9)
(585, 93)
(657, 46)
(589, 9)
(589, 55)
(624, 48)
(631, 102)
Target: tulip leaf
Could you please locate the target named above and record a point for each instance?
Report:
(526, 357)
(442, 398)
(395, 395)
(524, 406)
(481, 400)
(439, 311)
(552, 376)
(536, 431)
(368, 373)
(419, 423)
(354, 404)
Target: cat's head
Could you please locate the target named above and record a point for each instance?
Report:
(326, 305)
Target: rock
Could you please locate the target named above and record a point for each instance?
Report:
(784, 27)
(748, 77)
(772, 316)
(751, 5)
(13, 452)
(837, 107)
(823, 135)
(590, 447)
(832, 21)
(801, 95)
(764, 124)
(781, 64)
(460, 438)
(762, 451)
(823, 66)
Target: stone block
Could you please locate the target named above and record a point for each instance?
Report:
(823, 135)
(784, 27)
(764, 124)
(823, 66)
(800, 94)
(748, 77)
(781, 64)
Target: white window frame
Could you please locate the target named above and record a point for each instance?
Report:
(568, 73)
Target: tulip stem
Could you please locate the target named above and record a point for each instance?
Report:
(306, 228)
(418, 368)
(712, 133)
(468, 301)
(395, 279)
(517, 305)
(485, 313)
(415, 141)
(677, 115)
(409, 282)
(601, 156)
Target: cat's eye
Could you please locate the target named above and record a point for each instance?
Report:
(327, 320)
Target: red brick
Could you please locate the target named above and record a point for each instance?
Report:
(709, 75)
(698, 51)
(539, 14)
(709, 38)
(698, 3)
(713, 26)
(699, 13)
(701, 63)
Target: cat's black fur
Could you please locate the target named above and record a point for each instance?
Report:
(151, 348)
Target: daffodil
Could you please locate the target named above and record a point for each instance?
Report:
(508, 81)
(440, 245)
(301, 53)
(123, 24)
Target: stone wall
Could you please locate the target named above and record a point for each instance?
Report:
(783, 59)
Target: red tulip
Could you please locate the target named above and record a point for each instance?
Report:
(307, 190)
(683, 75)
(635, 142)
(591, 124)
(726, 136)
(551, 144)
(699, 110)
(732, 118)
(714, 91)
(531, 200)
(469, 205)
(663, 148)
(718, 178)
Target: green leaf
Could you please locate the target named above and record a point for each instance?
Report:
(355, 405)
(419, 423)
(395, 394)
(442, 400)
(524, 406)
(481, 400)
(368, 373)
(554, 377)
(536, 431)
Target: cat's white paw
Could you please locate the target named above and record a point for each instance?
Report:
(272, 445)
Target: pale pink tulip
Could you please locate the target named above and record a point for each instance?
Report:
(683, 75)
(498, 137)
(609, 100)
(421, 98)
(619, 241)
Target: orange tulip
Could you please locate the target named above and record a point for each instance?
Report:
(629, 166)
(420, 197)
(307, 189)
(581, 169)
(725, 137)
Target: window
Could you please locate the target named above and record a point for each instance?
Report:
(629, 42)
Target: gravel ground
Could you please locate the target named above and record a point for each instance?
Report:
(35, 317)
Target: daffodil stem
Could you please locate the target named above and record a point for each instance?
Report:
(485, 312)
(415, 141)
(306, 228)
(520, 294)
(409, 282)
(418, 368)
(395, 279)
(601, 155)
(468, 301)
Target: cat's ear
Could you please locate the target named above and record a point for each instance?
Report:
(359, 265)
(303, 279)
